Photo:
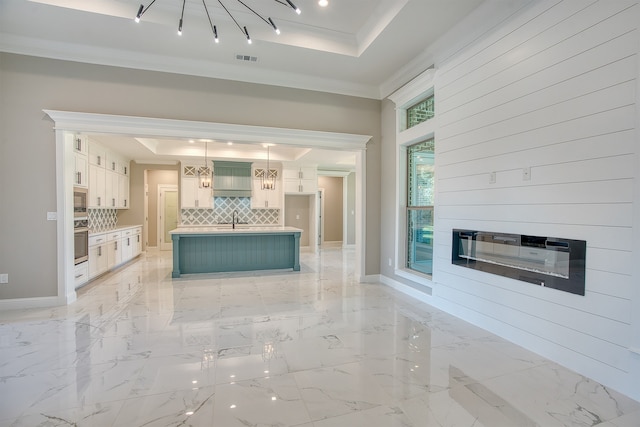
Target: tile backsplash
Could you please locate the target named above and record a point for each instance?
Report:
(223, 213)
(102, 219)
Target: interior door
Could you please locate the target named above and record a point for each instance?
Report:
(168, 212)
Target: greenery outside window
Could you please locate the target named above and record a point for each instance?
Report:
(420, 112)
(420, 192)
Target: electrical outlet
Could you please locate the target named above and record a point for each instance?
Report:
(4, 278)
(389, 262)
(52, 216)
(492, 178)
(526, 174)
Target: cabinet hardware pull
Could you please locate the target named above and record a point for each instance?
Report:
(99, 250)
(99, 201)
(99, 161)
(79, 276)
(116, 245)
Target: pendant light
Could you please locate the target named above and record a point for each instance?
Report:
(204, 173)
(269, 176)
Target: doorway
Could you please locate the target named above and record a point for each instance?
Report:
(168, 212)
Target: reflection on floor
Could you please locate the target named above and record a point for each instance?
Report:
(310, 349)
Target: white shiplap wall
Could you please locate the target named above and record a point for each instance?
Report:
(553, 90)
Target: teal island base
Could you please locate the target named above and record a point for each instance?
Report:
(213, 250)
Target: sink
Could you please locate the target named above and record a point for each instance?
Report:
(230, 227)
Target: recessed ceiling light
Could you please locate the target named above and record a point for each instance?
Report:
(323, 3)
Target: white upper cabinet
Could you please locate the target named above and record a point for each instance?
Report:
(97, 187)
(123, 192)
(108, 178)
(97, 155)
(81, 171)
(300, 180)
(81, 165)
(80, 144)
(191, 195)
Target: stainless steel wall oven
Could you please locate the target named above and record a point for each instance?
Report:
(80, 241)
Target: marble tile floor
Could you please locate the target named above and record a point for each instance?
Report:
(307, 349)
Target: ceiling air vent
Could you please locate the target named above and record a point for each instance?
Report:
(246, 58)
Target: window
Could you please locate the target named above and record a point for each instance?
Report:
(420, 112)
(420, 191)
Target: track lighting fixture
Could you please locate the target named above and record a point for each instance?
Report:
(181, 17)
(293, 6)
(142, 10)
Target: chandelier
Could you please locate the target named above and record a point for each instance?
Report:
(268, 176)
(288, 3)
(204, 172)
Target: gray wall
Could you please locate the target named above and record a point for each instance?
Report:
(296, 214)
(351, 209)
(29, 85)
(154, 179)
(333, 208)
(135, 215)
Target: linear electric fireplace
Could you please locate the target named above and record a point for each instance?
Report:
(547, 261)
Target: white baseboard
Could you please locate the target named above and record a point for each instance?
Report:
(36, 302)
(371, 278)
(407, 290)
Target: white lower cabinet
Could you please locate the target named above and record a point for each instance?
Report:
(111, 249)
(127, 248)
(81, 274)
(114, 249)
(137, 248)
(98, 262)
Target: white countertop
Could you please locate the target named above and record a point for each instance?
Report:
(226, 229)
(116, 229)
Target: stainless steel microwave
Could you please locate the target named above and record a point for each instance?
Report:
(80, 200)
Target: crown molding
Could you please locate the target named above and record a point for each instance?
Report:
(170, 128)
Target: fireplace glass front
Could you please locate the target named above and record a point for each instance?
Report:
(547, 261)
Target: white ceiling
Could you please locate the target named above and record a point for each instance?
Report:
(351, 47)
(170, 150)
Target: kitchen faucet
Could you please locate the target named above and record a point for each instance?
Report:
(234, 219)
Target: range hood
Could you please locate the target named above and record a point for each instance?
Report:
(231, 179)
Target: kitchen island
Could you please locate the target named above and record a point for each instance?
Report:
(213, 249)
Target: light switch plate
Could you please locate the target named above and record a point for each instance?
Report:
(526, 174)
(52, 216)
(4, 278)
(492, 178)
